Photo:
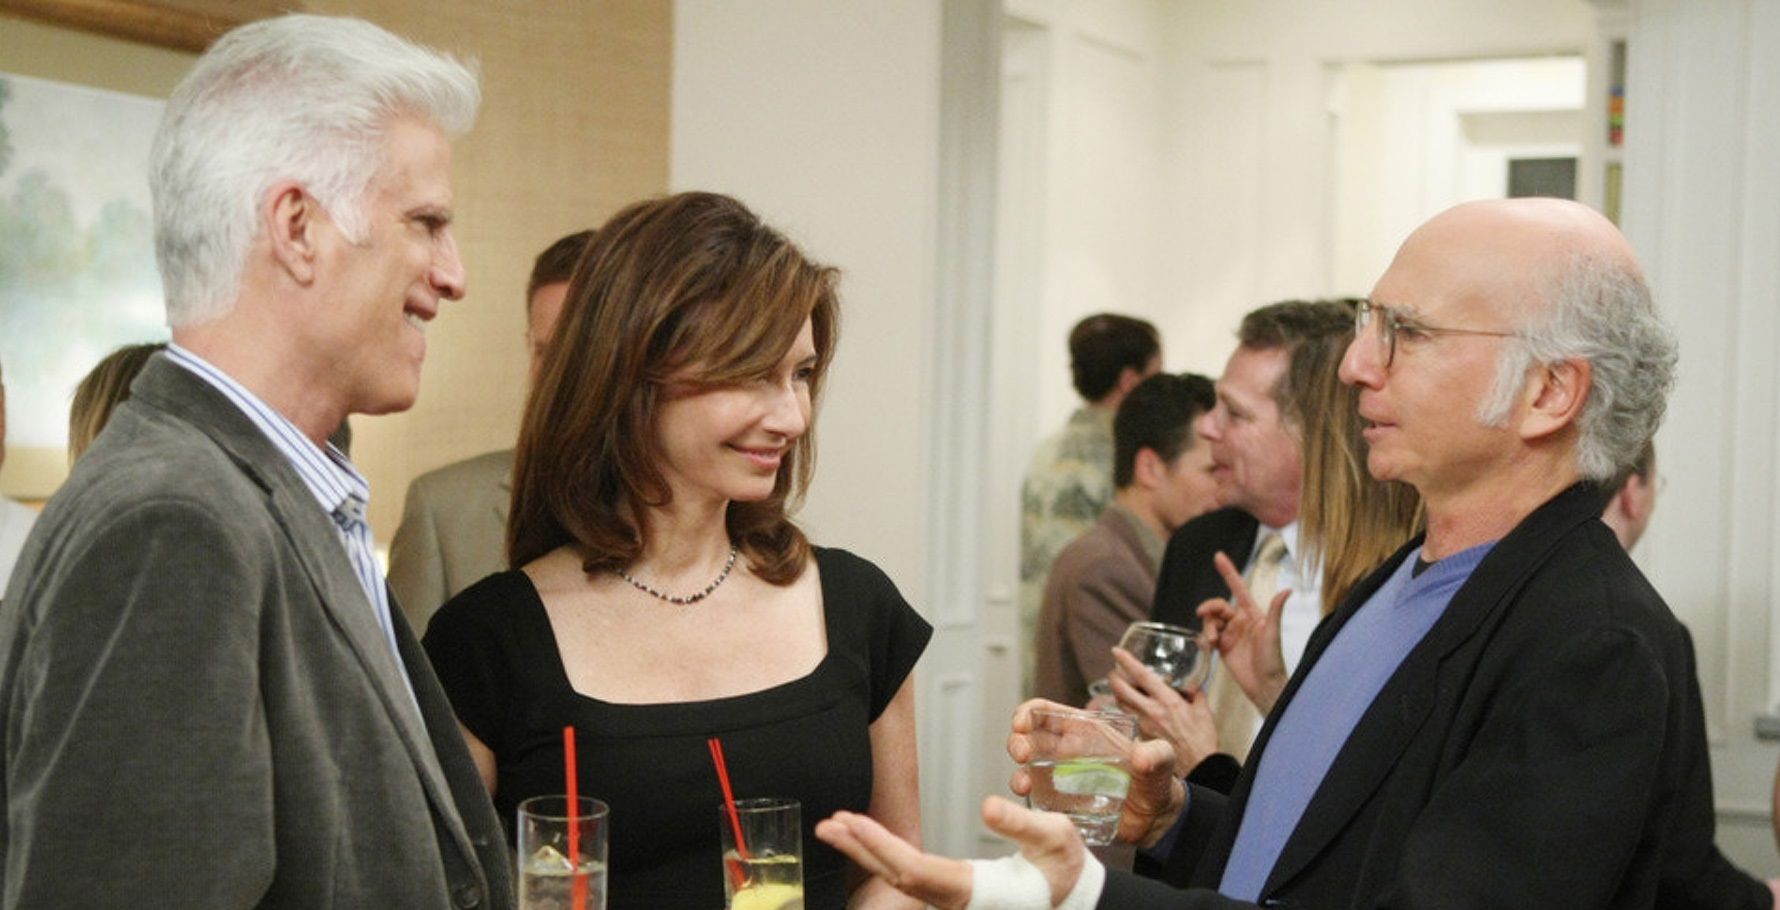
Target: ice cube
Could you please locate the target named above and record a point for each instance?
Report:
(549, 861)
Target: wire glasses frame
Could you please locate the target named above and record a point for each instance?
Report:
(1394, 324)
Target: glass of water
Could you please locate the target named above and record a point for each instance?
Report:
(1081, 766)
(1172, 651)
(549, 878)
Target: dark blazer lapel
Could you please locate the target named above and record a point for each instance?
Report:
(478, 833)
(1187, 577)
(1404, 704)
(171, 388)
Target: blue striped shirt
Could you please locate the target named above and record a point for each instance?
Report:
(339, 489)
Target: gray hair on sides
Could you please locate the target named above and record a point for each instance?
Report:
(1598, 310)
(298, 97)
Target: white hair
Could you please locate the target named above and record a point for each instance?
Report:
(300, 98)
(1598, 310)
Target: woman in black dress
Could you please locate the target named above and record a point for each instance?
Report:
(662, 595)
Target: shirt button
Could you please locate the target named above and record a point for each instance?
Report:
(467, 897)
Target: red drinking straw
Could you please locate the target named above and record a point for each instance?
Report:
(570, 770)
(735, 820)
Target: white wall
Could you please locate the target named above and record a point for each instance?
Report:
(1246, 177)
(1702, 178)
(1413, 139)
(822, 115)
(1099, 137)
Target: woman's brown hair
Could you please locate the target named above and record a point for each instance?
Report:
(693, 284)
(1351, 520)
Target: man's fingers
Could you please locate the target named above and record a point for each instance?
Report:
(1023, 714)
(1019, 748)
(837, 835)
(1047, 840)
(1036, 832)
(1277, 609)
(1138, 704)
(936, 879)
(1238, 588)
(1152, 756)
(846, 832)
(1020, 782)
(1142, 678)
(1214, 614)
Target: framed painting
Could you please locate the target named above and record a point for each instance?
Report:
(77, 269)
(80, 95)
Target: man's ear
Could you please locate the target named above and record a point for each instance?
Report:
(1129, 379)
(1632, 499)
(1148, 469)
(1555, 396)
(291, 219)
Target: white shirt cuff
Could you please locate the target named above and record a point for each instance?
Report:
(1013, 883)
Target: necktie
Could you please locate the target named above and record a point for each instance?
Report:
(1237, 718)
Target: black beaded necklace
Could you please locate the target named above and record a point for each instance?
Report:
(689, 599)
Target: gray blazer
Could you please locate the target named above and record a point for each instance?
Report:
(200, 708)
(453, 532)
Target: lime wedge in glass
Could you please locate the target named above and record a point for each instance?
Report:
(1088, 777)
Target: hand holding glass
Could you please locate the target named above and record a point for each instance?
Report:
(1081, 766)
(1172, 651)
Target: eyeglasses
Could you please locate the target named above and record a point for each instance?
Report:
(1395, 325)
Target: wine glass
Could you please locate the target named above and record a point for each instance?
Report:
(1172, 651)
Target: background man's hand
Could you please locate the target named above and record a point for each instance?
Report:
(1246, 638)
(1183, 720)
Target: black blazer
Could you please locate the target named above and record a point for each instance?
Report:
(1543, 746)
(1187, 577)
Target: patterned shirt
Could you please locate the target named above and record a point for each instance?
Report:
(1068, 485)
(341, 492)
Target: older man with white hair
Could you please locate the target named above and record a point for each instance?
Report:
(208, 699)
(1505, 714)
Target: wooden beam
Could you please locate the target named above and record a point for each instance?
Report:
(188, 26)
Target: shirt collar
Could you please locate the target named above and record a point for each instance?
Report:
(1147, 540)
(343, 493)
(1288, 534)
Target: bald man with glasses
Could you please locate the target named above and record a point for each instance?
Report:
(1504, 714)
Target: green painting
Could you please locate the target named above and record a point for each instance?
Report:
(77, 270)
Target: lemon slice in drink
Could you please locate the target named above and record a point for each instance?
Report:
(1088, 777)
(768, 896)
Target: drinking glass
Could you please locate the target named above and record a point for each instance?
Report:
(768, 873)
(1081, 767)
(1172, 651)
(548, 878)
